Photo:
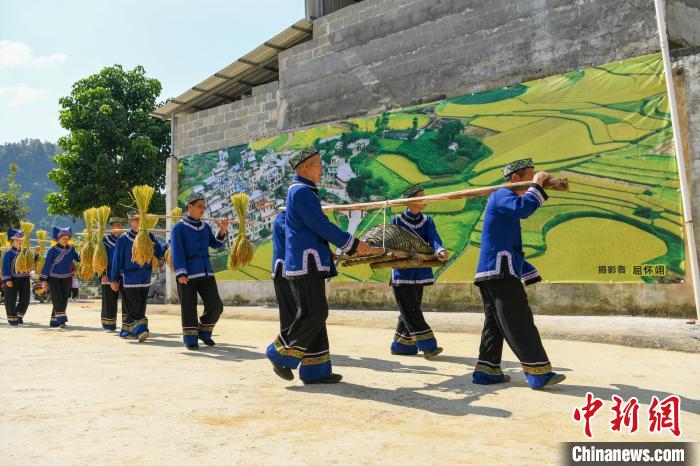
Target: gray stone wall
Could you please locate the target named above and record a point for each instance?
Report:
(683, 21)
(381, 54)
(229, 124)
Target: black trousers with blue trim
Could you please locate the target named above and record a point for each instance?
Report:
(134, 300)
(110, 300)
(17, 298)
(59, 288)
(412, 331)
(192, 326)
(507, 315)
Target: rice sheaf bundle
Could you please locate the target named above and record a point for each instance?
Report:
(151, 222)
(99, 256)
(41, 236)
(3, 243)
(242, 251)
(176, 212)
(25, 261)
(142, 250)
(87, 250)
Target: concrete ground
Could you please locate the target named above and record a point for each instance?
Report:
(84, 396)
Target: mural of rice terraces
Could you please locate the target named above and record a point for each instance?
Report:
(606, 128)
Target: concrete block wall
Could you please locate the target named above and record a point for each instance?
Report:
(229, 124)
(683, 21)
(381, 54)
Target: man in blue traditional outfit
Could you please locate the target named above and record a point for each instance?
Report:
(500, 275)
(17, 285)
(413, 334)
(110, 298)
(190, 241)
(307, 264)
(133, 279)
(57, 276)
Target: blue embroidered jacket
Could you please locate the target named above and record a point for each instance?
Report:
(308, 232)
(8, 265)
(502, 253)
(131, 274)
(57, 262)
(424, 227)
(278, 228)
(190, 241)
(110, 242)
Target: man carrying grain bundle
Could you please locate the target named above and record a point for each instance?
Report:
(134, 280)
(413, 334)
(190, 241)
(307, 263)
(501, 268)
(110, 298)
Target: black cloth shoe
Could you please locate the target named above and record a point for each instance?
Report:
(207, 341)
(193, 347)
(333, 378)
(430, 354)
(282, 372)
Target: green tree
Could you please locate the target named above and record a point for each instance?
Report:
(448, 132)
(113, 143)
(265, 232)
(414, 128)
(356, 188)
(13, 201)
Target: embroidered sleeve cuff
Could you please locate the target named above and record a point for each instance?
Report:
(538, 193)
(180, 275)
(353, 247)
(439, 250)
(532, 281)
(43, 277)
(531, 277)
(348, 245)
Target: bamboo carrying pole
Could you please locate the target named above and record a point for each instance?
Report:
(558, 184)
(680, 158)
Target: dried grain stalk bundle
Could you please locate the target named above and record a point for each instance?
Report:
(87, 250)
(99, 256)
(151, 222)
(176, 212)
(25, 261)
(3, 243)
(142, 250)
(242, 250)
(41, 236)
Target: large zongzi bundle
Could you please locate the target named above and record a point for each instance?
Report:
(401, 248)
(142, 250)
(242, 250)
(396, 238)
(99, 257)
